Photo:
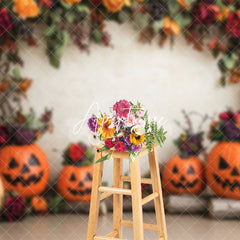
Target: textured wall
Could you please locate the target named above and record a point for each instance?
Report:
(165, 80)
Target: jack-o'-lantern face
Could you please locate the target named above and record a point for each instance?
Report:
(75, 183)
(223, 170)
(183, 175)
(24, 169)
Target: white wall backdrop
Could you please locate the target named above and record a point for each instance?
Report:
(165, 80)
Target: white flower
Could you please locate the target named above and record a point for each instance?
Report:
(94, 139)
(138, 129)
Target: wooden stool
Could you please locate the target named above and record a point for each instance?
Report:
(100, 192)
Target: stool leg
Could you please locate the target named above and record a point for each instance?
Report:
(95, 198)
(136, 200)
(158, 202)
(117, 198)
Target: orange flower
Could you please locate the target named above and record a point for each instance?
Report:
(183, 3)
(235, 78)
(171, 27)
(39, 204)
(223, 14)
(4, 86)
(71, 2)
(25, 85)
(26, 8)
(113, 5)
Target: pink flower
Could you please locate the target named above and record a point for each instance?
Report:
(140, 113)
(122, 108)
(131, 120)
(140, 122)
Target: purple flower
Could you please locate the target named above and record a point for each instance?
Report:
(136, 148)
(126, 148)
(231, 131)
(192, 145)
(127, 140)
(92, 123)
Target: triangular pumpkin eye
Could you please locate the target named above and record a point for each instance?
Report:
(72, 178)
(190, 170)
(33, 161)
(12, 164)
(175, 169)
(223, 164)
(88, 177)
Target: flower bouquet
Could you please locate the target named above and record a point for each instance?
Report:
(227, 128)
(126, 129)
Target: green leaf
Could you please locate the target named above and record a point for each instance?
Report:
(141, 21)
(157, 25)
(104, 148)
(173, 7)
(32, 122)
(70, 17)
(65, 5)
(229, 60)
(97, 35)
(132, 156)
(83, 9)
(16, 73)
(123, 16)
(106, 157)
(50, 31)
(183, 20)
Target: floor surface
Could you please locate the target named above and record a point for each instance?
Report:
(73, 227)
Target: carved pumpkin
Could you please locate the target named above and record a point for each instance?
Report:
(24, 169)
(75, 183)
(183, 175)
(1, 194)
(223, 169)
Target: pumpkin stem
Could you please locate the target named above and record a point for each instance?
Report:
(184, 154)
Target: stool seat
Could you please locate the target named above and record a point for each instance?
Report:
(100, 192)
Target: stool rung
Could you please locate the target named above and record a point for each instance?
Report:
(107, 238)
(112, 234)
(145, 225)
(149, 198)
(105, 195)
(143, 180)
(115, 190)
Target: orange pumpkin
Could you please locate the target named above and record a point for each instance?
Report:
(223, 169)
(75, 183)
(1, 194)
(183, 175)
(24, 169)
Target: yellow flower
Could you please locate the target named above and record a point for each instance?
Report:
(71, 2)
(113, 5)
(106, 132)
(26, 8)
(137, 139)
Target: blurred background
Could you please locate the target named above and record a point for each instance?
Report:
(62, 61)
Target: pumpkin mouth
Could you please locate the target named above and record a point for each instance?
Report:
(25, 182)
(79, 192)
(184, 186)
(225, 183)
